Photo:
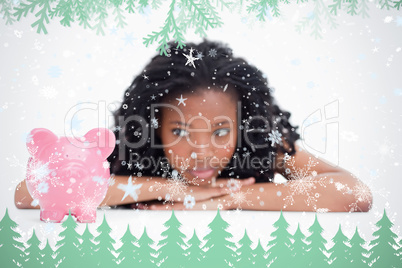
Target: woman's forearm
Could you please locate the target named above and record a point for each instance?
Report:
(126, 190)
(336, 192)
(22, 198)
(122, 191)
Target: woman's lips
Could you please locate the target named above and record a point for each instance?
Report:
(203, 173)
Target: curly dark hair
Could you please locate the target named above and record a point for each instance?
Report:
(216, 69)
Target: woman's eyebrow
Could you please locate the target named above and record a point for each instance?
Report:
(220, 123)
(178, 123)
(215, 124)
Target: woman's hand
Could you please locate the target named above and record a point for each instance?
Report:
(203, 197)
(205, 192)
(220, 188)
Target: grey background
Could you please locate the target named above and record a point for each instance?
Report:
(343, 72)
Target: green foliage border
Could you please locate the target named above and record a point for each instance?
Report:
(385, 251)
(182, 15)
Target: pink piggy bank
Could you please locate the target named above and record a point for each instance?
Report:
(66, 173)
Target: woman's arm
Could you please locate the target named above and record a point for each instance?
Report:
(322, 187)
(312, 185)
(116, 194)
(127, 190)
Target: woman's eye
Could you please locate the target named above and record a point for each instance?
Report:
(222, 132)
(180, 132)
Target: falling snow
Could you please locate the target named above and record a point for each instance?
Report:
(275, 137)
(181, 100)
(154, 123)
(130, 189)
(176, 184)
(190, 58)
(189, 201)
(302, 182)
(212, 52)
(239, 198)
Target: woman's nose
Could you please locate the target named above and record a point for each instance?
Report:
(202, 152)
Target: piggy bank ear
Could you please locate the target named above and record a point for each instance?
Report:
(39, 138)
(103, 139)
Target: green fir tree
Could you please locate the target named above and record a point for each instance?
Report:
(34, 258)
(245, 252)
(219, 250)
(128, 250)
(104, 249)
(146, 254)
(298, 248)
(68, 246)
(194, 253)
(340, 250)
(47, 255)
(279, 247)
(259, 256)
(11, 250)
(87, 248)
(316, 249)
(357, 252)
(172, 246)
(383, 252)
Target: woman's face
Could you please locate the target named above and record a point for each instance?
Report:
(199, 132)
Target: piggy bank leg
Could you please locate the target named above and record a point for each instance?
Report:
(87, 217)
(51, 215)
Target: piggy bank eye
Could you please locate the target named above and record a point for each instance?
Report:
(66, 155)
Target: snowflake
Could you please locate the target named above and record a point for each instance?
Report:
(189, 201)
(43, 187)
(32, 149)
(106, 165)
(199, 55)
(185, 165)
(190, 58)
(181, 100)
(48, 92)
(176, 184)
(98, 180)
(130, 189)
(302, 182)
(154, 122)
(275, 137)
(385, 149)
(240, 197)
(55, 181)
(175, 187)
(233, 185)
(388, 19)
(37, 170)
(138, 166)
(361, 192)
(212, 52)
(87, 204)
(54, 158)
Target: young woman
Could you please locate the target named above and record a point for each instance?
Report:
(200, 129)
